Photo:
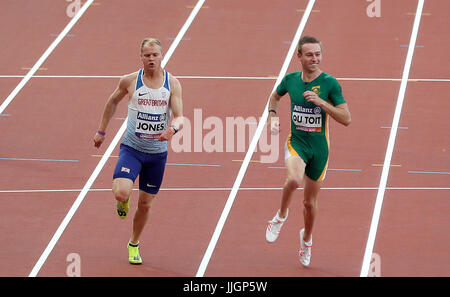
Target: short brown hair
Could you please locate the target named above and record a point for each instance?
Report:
(150, 41)
(307, 39)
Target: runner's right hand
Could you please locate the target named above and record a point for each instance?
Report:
(98, 139)
(274, 124)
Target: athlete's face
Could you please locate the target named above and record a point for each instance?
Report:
(151, 56)
(310, 57)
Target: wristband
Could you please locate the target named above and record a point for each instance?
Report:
(273, 110)
(101, 132)
(174, 129)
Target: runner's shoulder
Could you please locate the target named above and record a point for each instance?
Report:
(328, 78)
(173, 79)
(128, 79)
(292, 75)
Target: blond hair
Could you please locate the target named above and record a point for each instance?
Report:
(150, 41)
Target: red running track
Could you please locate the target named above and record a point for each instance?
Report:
(54, 118)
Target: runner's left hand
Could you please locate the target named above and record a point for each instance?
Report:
(166, 135)
(312, 97)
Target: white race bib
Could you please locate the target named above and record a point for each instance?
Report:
(307, 119)
(150, 126)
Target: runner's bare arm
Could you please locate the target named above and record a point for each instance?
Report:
(111, 106)
(340, 113)
(274, 101)
(176, 104)
(272, 119)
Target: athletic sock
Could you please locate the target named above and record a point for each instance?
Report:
(309, 243)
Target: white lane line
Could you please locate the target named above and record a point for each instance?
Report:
(237, 77)
(47, 53)
(105, 157)
(229, 189)
(220, 224)
(390, 147)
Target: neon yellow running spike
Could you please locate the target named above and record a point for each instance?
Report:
(123, 208)
(133, 253)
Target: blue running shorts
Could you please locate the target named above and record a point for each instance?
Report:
(149, 167)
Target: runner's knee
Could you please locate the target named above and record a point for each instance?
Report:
(144, 206)
(293, 182)
(309, 204)
(145, 201)
(121, 194)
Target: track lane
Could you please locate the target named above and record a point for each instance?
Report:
(26, 226)
(66, 129)
(363, 143)
(182, 262)
(7, 85)
(34, 28)
(432, 46)
(199, 221)
(239, 22)
(411, 240)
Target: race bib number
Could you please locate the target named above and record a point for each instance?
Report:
(307, 119)
(150, 126)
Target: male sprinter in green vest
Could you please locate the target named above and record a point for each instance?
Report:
(315, 95)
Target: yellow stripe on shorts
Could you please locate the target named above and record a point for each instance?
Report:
(290, 148)
(327, 136)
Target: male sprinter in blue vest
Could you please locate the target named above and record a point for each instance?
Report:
(154, 95)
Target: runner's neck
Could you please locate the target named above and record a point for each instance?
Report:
(309, 77)
(153, 78)
(153, 74)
